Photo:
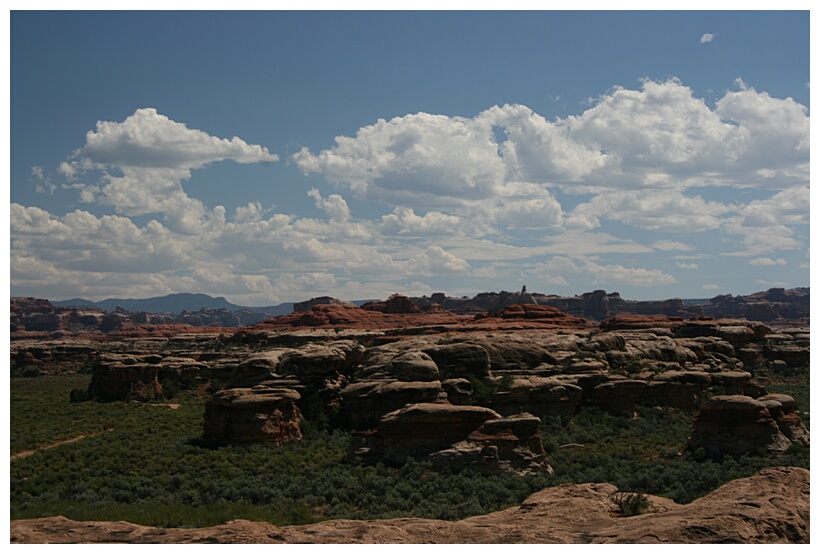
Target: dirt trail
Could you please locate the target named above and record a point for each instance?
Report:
(27, 453)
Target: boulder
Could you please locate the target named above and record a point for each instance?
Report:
(664, 349)
(735, 382)
(606, 342)
(737, 335)
(257, 367)
(181, 368)
(514, 350)
(705, 347)
(459, 391)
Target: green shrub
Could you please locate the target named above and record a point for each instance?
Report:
(629, 504)
(80, 395)
(144, 464)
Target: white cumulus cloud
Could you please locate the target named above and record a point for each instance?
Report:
(146, 158)
(671, 245)
(568, 200)
(767, 262)
(664, 210)
(149, 139)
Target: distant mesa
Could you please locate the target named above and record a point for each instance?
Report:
(396, 304)
(301, 307)
(33, 318)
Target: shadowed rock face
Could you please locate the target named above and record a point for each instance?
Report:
(260, 414)
(781, 406)
(420, 429)
(457, 438)
(772, 507)
(126, 377)
(737, 425)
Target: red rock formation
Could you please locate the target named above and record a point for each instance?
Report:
(305, 306)
(259, 414)
(126, 377)
(332, 316)
(619, 396)
(396, 304)
(456, 437)
(538, 396)
(631, 322)
(421, 429)
(364, 402)
(736, 425)
(510, 444)
(528, 316)
(781, 406)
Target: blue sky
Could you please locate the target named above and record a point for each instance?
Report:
(276, 156)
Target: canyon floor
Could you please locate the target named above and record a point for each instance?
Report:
(459, 392)
(771, 507)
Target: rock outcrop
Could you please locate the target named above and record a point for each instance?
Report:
(259, 414)
(126, 377)
(457, 438)
(735, 425)
(396, 304)
(781, 406)
(300, 307)
(771, 305)
(595, 305)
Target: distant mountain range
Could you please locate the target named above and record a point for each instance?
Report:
(177, 303)
(761, 306)
(173, 304)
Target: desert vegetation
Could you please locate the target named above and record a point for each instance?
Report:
(146, 463)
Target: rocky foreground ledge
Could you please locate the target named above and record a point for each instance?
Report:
(770, 507)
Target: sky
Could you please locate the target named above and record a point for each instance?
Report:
(276, 156)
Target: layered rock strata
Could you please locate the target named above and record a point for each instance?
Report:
(259, 414)
(456, 437)
(528, 359)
